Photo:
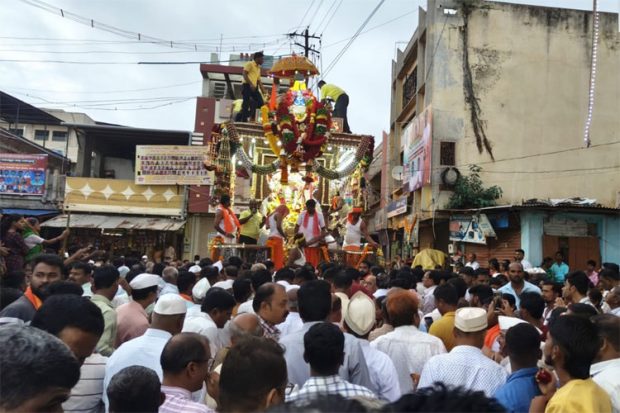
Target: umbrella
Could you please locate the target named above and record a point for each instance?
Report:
(288, 67)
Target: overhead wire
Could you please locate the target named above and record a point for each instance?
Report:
(301, 22)
(370, 29)
(107, 91)
(317, 27)
(357, 33)
(332, 16)
(128, 34)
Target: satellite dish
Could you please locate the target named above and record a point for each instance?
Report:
(397, 173)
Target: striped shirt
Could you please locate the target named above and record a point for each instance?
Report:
(179, 400)
(86, 395)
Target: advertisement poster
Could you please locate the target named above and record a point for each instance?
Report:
(471, 228)
(170, 165)
(417, 137)
(22, 174)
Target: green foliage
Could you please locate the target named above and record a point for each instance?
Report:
(469, 192)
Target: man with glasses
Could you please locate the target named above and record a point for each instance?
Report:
(185, 361)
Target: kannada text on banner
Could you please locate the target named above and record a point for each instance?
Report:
(169, 165)
(22, 174)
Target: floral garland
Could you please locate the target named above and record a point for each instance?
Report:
(362, 158)
(304, 142)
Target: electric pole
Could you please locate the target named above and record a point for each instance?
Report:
(306, 45)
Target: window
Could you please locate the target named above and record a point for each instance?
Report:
(59, 136)
(446, 154)
(18, 132)
(41, 135)
(410, 86)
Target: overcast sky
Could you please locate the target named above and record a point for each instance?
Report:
(129, 93)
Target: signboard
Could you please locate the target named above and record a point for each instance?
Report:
(417, 137)
(471, 228)
(22, 174)
(121, 196)
(397, 208)
(172, 165)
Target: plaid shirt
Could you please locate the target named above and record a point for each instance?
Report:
(269, 331)
(319, 386)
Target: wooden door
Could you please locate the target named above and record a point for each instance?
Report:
(551, 245)
(582, 249)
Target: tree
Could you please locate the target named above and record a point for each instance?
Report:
(470, 193)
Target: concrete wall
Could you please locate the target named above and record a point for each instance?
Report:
(530, 68)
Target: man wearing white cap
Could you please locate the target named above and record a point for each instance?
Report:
(465, 365)
(132, 320)
(359, 319)
(167, 320)
(407, 346)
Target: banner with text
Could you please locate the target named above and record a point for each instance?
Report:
(170, 165)
(22, 174)
(417, 137)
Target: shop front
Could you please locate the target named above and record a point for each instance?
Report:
(123, 218)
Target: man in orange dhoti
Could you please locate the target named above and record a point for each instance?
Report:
(226, 224)
(277, 235)
(312, 225)
(355, 228)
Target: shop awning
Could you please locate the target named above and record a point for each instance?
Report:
(29, 212)
(115, 222)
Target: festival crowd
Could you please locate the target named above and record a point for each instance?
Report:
(92, 333)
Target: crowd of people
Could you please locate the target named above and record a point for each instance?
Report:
(130, 335)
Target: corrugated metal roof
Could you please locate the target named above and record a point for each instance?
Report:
(115, 222)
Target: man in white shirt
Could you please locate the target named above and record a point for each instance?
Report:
(167, 320)
(359, 318)
(605, 370)
(471, 261)
(613, 301)
(210, 318)
(408, 347)
(315, 302)
(293, 321)
(312, 225)
(430, 281)
(465, 365)
(170, 276)
(576, 288)
(520, 257)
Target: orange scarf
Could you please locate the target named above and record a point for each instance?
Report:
(186, 297)
(316, 229)
(34, 300)
(229, 218)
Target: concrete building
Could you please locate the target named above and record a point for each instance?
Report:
(505, 87)
(43, 126)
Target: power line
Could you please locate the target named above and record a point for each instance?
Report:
(301, 22)
(84, 62)
(325, 15)
(357, 33)
(315, 13)
(371, 29)
(332, 16)
(140, 37)
(109, 91)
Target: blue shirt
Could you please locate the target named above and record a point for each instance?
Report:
(527, 288)
(519, 390)
(559, 271)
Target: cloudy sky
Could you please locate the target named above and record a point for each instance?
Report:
(36, 47)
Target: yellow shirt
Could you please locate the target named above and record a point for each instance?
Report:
(579, 396)
(443, 328)
(252, 227)
(253, 70)
(331, 91)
